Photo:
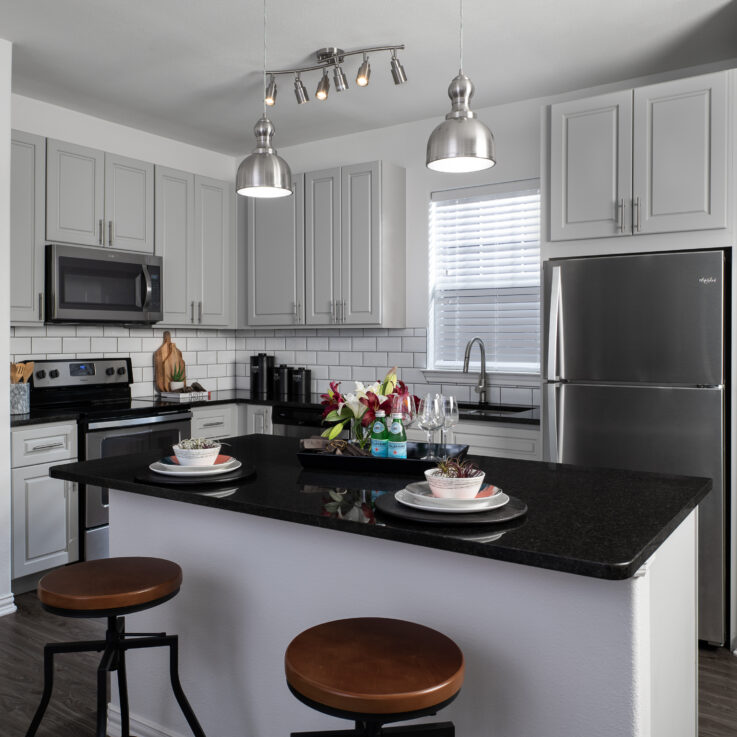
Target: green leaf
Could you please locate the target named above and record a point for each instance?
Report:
(335, 496)
(332, 416)
(335, 430)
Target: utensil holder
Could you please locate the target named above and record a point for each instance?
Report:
(20, 399)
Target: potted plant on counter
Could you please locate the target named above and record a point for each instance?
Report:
(176, 380)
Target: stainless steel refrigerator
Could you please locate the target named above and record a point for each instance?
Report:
(633, 371)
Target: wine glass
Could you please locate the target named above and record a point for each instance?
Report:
(405, 404)
(430, 418)
(451, 416)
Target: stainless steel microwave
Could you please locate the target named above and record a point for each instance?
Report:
(99, 285)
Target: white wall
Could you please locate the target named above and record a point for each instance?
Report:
(52, 121)
(6, 598)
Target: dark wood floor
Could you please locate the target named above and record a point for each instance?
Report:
(71, 712)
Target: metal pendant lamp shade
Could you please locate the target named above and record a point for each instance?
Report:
(263, 173)
(461, 143)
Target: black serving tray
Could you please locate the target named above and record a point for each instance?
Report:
(368, 464)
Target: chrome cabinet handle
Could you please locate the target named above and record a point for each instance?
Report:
(212, 424)
(40, 306)
(192, 310)
(620, 215)
(101, 239)
(299, 313)
(553, 323)
(48, 446)
(110, 232)
(295, 312)
(342, 310)
(636, 208)
(200, 310)
(333, 319)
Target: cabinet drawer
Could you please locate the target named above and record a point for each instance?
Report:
(491, 439)
(214, 422)
(43, 444)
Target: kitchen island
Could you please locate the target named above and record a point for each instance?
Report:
(579, 618)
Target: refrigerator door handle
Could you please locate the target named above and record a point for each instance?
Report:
(553, 398)
(553, 323)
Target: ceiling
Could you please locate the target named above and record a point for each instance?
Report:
(191, 70)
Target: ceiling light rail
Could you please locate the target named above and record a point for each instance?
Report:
(333, 57)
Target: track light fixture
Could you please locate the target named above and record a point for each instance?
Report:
(333, 57)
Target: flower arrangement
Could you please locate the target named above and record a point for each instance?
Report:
(357, 409)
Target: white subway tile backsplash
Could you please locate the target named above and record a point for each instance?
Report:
(129, 344)
(328, 357)
(340, 344)
(19, 346)
(205, 357)
(512, 395)
(400, 360)
(351, 358)
(389, 344)
(216, 370)
(420, 360)
(305, 358)
(375, 358)
(82, 345)
(100, 346)
(414, 344)
(364, 344)
(284, 357)
(296, 344)
(217, 344)
(115, 331)
(61, 331)
(275, 344)
(89, 330)
(30, 332)
(46, 345)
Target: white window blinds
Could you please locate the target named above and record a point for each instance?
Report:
(485, 276)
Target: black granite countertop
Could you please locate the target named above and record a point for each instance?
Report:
(468, 411)
(592, 522)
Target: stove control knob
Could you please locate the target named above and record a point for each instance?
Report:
(121, 371)
(41, 374)
(53, 374)
(110, 371)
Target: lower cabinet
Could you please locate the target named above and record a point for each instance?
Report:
(493, 439)
(220, 421)
(44, 520)
(258, 419)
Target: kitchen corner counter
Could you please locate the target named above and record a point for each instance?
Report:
(592, 522)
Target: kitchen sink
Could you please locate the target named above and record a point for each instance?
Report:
(493, 410)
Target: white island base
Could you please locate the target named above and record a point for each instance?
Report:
(548, 654)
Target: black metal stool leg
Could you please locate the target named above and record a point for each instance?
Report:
(48, 686)
(123, 684)
(173, 642)
(106, 665)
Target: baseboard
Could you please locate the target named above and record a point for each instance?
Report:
(7, 604)
(138, 726)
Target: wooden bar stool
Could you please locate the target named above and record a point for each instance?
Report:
(112, 588)
(375, 671)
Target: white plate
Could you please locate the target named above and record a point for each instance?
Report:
(418, 495)
(176, 470)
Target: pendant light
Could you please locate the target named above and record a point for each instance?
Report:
(461, 143)
(263, 173)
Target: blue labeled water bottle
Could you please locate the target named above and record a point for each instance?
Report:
(397, 437)
(379, 436)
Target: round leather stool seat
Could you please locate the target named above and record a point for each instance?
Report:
(110, 584)
(374, 666)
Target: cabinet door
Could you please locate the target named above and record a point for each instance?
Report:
(214, 249)
(360, 254)
(258, 420)
(322, 246)
(591, 167)
(75, 190)
(174, 242)
(27, 200)
(44, 520)
(129, 204)
(276, 258)
(214, 422)
(680, 155)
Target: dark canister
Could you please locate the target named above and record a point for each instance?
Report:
(301, 379)
(254, 376)
(262, 367)
(285, 382)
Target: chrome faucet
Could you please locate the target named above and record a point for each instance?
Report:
(481, 386)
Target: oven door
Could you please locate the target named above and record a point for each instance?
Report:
(100, 285)
(122, 437)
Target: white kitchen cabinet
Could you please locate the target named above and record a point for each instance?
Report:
(339, 248)
(258, 419)
(195, 237)
(220, 421)
(27, 217)
(649, 160)
(98, 199)
(44, 511)
(276, 273)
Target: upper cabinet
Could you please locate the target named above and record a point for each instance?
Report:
(335, 249)
(195, 237)
(98, 199)
(27, 197)
(649, 160)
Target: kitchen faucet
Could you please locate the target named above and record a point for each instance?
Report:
(481, 386)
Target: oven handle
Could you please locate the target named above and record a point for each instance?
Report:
(149, 288)
(136, 421)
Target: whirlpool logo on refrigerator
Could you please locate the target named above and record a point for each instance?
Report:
(707, 280)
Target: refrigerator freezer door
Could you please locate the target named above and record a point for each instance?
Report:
(653, 318)
(672, 430)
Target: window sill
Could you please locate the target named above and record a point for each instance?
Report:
(435, 376)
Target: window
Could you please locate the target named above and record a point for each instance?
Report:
(485, 276)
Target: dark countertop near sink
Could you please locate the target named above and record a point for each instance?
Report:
(493, 413)
(593, 522)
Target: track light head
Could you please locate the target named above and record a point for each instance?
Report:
(341, 83)
(270, 95)
(364, 72)
(397, 70)
(323, 86)
(300, 91)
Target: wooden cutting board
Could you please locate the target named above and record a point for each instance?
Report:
(166, 359)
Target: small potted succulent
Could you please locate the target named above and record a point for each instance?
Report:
(176, 380)
(197, 451)
(455, 479)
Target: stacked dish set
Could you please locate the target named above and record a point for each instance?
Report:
(419, 496)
